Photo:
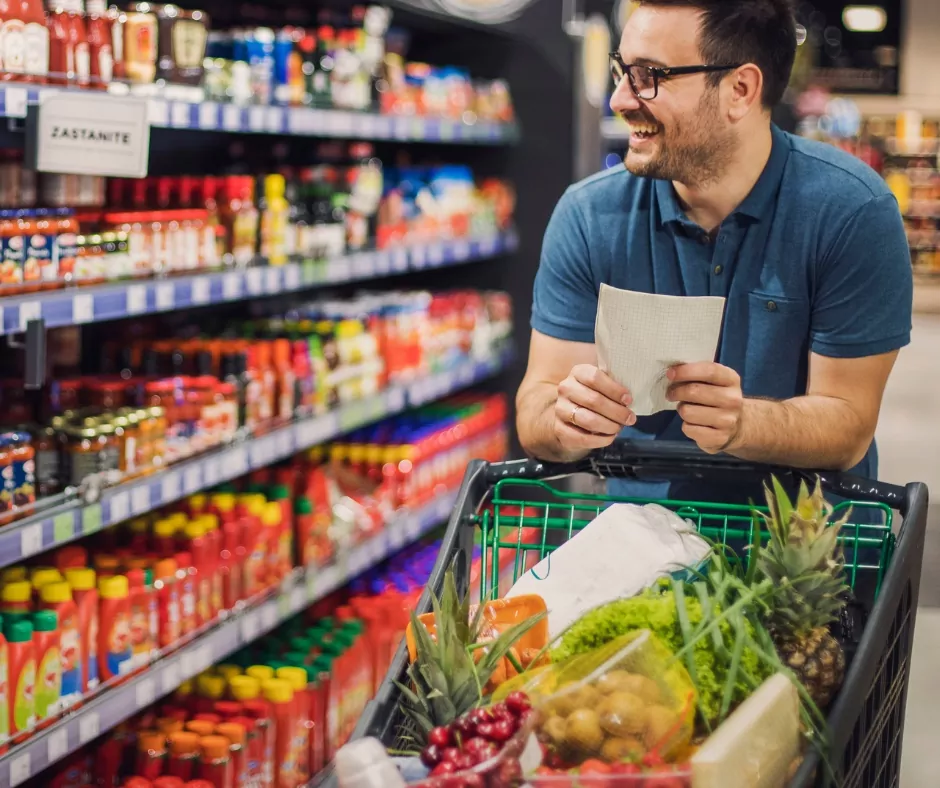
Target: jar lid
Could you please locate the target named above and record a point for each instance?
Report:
(45, 621)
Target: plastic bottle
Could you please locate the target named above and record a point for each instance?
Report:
(281, 494)
(275, 212)
(326, 711)
(4, 691)
(254, 749)
(195, 533)
(237, 740)
(271, 517)
(15, 600)
(83, 583)
(168, 602)
(57, 597)
(183, 755)
(46, 642)
(114, 634)
(186, 582)
(296, 677)
(42, 575)
(22, 661)
(139, 601)
(215, 762)
(247, 690)
(280, 696)
(151, 754)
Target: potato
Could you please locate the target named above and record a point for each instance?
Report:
(623, 714)
(614, 681)
(554, 730)
(643, 687)
(583, 731)
(626, 748)
(662, 725)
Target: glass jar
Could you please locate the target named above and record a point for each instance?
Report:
(107, 395)
(48, 466)
(128, 433)
(158, 415)
(109, 453)
(82, 449)
(145, 437)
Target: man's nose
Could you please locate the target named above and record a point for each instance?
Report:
(623, 98)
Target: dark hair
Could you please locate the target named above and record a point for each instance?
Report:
(762, 32)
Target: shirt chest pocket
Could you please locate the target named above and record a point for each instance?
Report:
(776, 359)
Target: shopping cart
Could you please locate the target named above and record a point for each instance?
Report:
(512, 505)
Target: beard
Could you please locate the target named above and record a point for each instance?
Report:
(694, 151)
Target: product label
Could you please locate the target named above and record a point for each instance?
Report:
(36, 41)
(188, 606)
(12, 257)
(189, 44)
(67, 250)
(171, 619)
(104, 64)
(118, 657)
(153, 620)
(4, 690)
(41, 263)
(91, 647)
(13, 46)
(140, 634)
(49, 684)
(109, 457)
(71, 656)
(24, 699)
(82, 64)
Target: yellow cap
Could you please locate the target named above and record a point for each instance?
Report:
(13, 574)
(260, 672)
(19, 591)
(357, 452)
(53, 593)
(114, 587)
(277, 691)
(256, 503)
(296, 677)
(81, 579)
(186, 688)
(44, 574)
(164, 529)
(223, 501)
(244, 687)
(197, 502)
(139, 525)
(227, 671)
(274, 186)
(212, 687)
(337, 453)
(272, 514)
(209, 521)
(179, 519)
(194, 530)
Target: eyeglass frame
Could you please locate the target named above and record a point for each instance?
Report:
(662, 72)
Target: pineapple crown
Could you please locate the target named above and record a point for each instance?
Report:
(802, 559)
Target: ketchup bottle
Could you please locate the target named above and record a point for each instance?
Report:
(101, 55)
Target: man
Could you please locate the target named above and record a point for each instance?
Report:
(805, 242)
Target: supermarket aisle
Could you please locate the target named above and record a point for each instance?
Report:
(909, 439)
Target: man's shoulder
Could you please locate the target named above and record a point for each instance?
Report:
(822, 171)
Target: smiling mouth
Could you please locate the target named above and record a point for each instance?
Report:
(643, 130)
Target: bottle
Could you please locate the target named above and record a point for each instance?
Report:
(85, 594)
(168, 602)
(280, 494)
(271, 517)
(15, 600)
(296, 677)
(139, 601)
(78, 37)
(280, 696)
(57, 597)
(215, 762)
(151, 754)
(4, 691)
(197, 547)
(275, 212)
(114, 637)
(186, 582)
(237, 737)
(22, 662)
(183, 755)
(247, 690)
(25, 42)
(100, 51)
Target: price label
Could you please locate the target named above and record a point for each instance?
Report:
(255, 280)
(258, 453)
(395, 400)
(272, 280)
(29, 311)
(444, 506)
(91, 519)
(325, 427)
(231, 117)
(298, 598)
(310, 585)
(412, 527)
(249, 626)
(273, 120)
(63, 527)
(336, 270)
(268, 617)
(292, 277)
(461, 250)
(363, 266)
(170, 488)
(306, 431)
(192, 479)
(15, 101)
(145, 692)
(204, 657)
(20, 767)
(88, 726)
(488, 246)
(211, 472)
(171, 677)
(179, 114)
(284, 443)
(447, 130)
(399, 260)
(231, 286)
(419, 129)
(31, 540)
(188, 664)
(256, 119)
(166, 296)
(435, 254)
(140, 499)
(83, 308)
(236, 462)
(310, 272)
(120, 507)
(383, 263)
(200, 290)
(383, 127)
(136, 299)
(419, 257)
(401, 129)
(283, 606)
(57, 745)
(208, 116)
(158, 113)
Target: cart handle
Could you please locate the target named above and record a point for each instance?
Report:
(633, 459)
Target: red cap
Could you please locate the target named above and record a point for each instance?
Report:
(168, 781)
(139, 782)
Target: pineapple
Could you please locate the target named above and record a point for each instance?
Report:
(451, 669)
(803, 560)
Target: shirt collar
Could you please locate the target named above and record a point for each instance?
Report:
(756, 203)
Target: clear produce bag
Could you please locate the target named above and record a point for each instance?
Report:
(625, 702)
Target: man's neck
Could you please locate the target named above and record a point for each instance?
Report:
(709, 204)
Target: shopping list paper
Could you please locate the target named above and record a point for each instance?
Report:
(639, 336)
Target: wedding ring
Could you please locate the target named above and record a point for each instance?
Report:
(574, 414)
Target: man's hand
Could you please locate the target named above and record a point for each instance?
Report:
(591, 409)
(710, 403)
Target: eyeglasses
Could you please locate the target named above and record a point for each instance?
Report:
(644, 80)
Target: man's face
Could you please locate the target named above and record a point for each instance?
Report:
(681, 135)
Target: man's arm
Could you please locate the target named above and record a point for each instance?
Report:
(831, 426)
(562, 381)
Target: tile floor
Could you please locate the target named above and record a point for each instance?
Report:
(909, 441)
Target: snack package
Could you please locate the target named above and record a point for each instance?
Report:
(624, 702)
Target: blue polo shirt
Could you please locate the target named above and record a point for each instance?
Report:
(814, 259)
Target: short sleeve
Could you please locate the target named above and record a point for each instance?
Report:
(864, 286)
(564, 304)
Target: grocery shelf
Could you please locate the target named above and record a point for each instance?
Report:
(81, 305)
(240, 627)
(293, 121)
(82, 516)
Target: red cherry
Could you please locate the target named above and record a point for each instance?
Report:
(449, 754)
(518, 702)
(463, 727)
(501, 711)
(501, 731)
(482, 750)
(431, 756)
(464, 761)
(480, 716)
(441, 737)
(443, 768)
(473, 780)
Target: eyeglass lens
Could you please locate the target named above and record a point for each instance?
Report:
(641, 78)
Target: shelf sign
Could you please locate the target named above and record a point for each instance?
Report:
(82, 134)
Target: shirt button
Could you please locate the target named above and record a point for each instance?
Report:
(771, 306)
(719, 269)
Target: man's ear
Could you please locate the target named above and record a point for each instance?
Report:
(744, 88)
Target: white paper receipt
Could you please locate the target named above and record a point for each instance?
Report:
(639, 336)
